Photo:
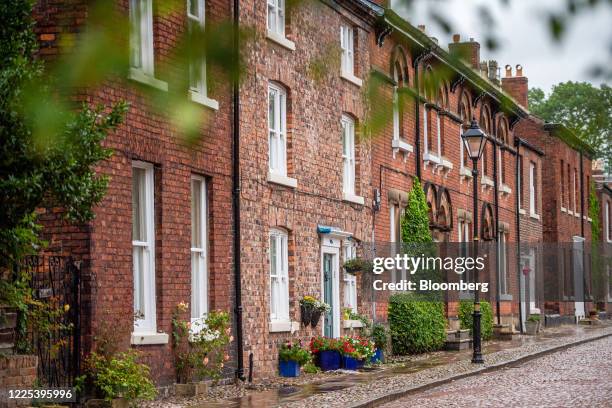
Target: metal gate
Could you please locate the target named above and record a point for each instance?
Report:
(55, 282)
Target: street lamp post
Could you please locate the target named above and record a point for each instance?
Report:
(475, 141)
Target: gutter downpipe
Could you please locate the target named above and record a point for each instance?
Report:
(518, 232)
(496, 202)
(236, 194)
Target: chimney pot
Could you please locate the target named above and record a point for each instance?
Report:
(456, 38)
(519, 70)
(508, 70)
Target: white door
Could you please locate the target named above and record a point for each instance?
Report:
(577, 253)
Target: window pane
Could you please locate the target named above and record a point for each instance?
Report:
(135, 33)
(271, 18)
(140, 261)
(194, 7)
(138, 205)
(196, 214)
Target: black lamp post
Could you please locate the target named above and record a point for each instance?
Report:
(475, 141)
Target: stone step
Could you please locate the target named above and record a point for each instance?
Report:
(456, 345)
(452, 335)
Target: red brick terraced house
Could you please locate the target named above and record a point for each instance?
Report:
(603, 185)
(162, 234)
(286, 180)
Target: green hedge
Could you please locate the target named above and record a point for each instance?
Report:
(466, 308)
(416, 326)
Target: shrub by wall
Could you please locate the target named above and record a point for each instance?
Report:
(466, 308)
(416, 326)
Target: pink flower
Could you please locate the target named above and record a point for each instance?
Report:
(205, 361)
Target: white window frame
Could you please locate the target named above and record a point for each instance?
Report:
(350, 280)
(396, 108)
(348, 155)
(425, 130)
(275, 16)
(199, 253)
(148, 324)
(608, 237)
(277, 131)
(141, 36)
(533, 211)
(439, 133)
(519, 183)
(279, 276)
(574, 190)
(347, 45)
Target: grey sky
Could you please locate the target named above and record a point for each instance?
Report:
(522, 31)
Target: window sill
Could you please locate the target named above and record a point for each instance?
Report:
(522, 211)
(353, 198)
(204, 100)
(352, 324)
(577, 215)
(145, 339)
(570, 212)
(402, 146)
(505, 189)
(351, 78)
(465, 172)
(446, 164)
(563, 209)
(282, 180)
(429, 158)
(284, 326)
(138, 75)
(534, 216)
(280, 40)
(486, 182)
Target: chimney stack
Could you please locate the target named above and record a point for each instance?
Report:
(493, 77)
(469, 51)
(516, 86)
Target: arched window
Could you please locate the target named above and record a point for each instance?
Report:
(400, 76)
(502, 135)
(485, 125)
(465, 113)
(488, 223)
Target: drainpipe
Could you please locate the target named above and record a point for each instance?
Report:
(581, 194)
(236, 195)
(496, 203)
(417, 143)
(518, 232)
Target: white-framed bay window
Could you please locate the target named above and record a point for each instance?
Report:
(279, 277)
(199, 250)
(143, 247)
(198, 86)
(277, 127)
(347, 45)
(142, 59)
(350, 280)
(348, 155)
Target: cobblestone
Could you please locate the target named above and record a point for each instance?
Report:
(576, 377)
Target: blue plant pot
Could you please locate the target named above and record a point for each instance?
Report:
(289, 368)
(350, 363)
(328, 360)
(378, 356)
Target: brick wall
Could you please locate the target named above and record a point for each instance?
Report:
(16, 372)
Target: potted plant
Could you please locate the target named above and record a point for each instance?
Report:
(531, 326)
(380, 338)
(326, 352)
(307, 305)
(291, 357)
(320, 309)
(355, 352)
(120, 378)
(355, 265)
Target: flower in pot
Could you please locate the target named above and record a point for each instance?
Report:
(308, 304)
(320, 309)
(356, 351)
(380, 338)
(326, 351)
(532, 324)
(292, 356)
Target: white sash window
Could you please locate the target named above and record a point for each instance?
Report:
(350, 281)
(279, 277)
(348, 155)
(277, 127)
(141, 36)
(347, 44)
(276, 17)
(199, 246)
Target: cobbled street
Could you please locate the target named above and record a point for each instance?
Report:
(580, 376)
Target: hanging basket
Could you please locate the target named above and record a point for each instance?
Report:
(306, 314)
(315, 317)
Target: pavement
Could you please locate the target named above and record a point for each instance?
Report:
(579, 376)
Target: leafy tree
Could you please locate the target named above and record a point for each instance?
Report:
(415, 222)
(598, 275)
(585, 109)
